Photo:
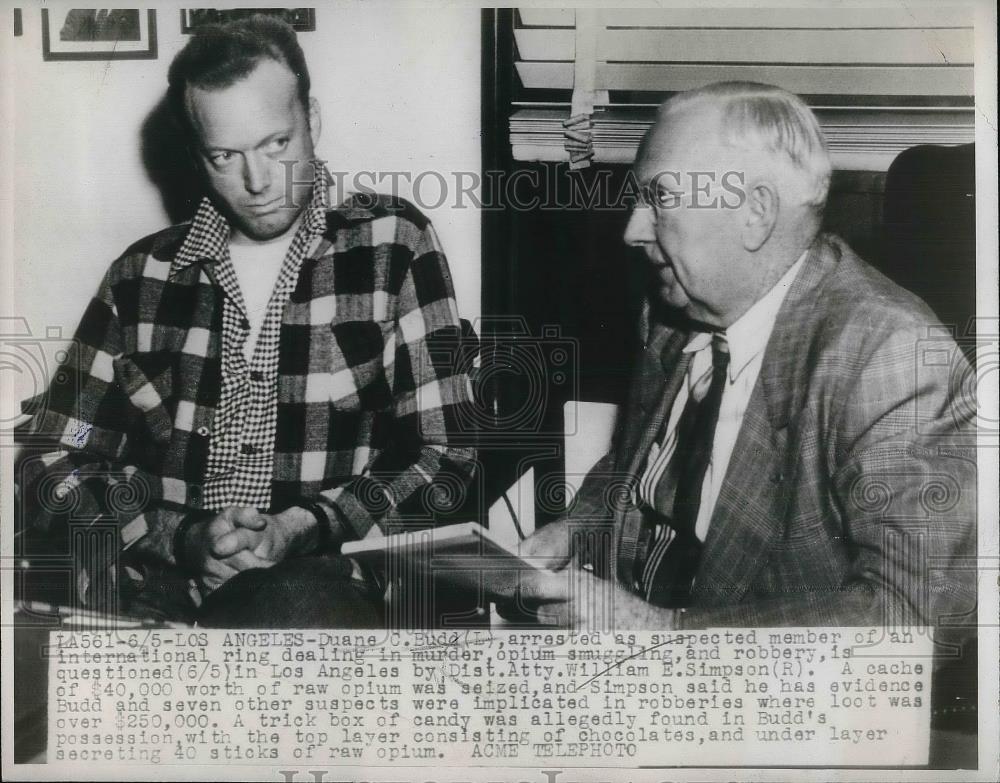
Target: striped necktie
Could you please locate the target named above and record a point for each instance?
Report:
(671, 547)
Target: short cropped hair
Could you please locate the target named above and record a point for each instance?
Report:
(764, 117)
(219, 55)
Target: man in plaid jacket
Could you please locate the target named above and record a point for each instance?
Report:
(272, 378)
(798, 444)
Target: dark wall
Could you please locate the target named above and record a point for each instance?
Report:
(854, 211)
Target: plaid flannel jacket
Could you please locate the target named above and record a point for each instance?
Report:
(370, 398)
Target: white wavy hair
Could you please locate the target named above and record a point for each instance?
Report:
(763, 117)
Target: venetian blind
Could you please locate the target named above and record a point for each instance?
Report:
(879, 79)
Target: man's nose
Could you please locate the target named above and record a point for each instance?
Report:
(256, 173)
(640, 226)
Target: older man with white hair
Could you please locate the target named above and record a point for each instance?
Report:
(792, 456)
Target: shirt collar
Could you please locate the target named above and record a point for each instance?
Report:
(748, 335)
(208, 235)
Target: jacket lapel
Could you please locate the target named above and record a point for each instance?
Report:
(663, 381)
(750, 511)
(662, 369)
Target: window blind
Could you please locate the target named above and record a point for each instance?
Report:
(880, 79)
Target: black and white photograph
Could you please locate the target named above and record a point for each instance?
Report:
(98, 34)
(452, 392)
(300, 19)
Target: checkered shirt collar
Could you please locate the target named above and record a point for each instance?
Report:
(208, 236)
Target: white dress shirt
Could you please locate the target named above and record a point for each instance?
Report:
(747, 337)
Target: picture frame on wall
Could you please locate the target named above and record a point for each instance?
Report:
(302, 20)
(98, 34)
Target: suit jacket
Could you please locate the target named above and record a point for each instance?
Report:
(850, 496)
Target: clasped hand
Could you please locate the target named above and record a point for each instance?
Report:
(238, 539)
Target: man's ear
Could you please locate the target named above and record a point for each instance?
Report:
(762, 206)
(315, 121)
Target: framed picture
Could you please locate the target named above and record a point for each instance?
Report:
(98, 34)
(302, 20)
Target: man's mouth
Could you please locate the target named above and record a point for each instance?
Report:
(663, 271)
(655, 256)
(660, 264)
(263, 209)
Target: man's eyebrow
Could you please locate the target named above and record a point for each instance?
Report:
(263, 142)
(271, 137)
(666, 179)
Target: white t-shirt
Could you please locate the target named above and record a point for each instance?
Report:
(257, 265)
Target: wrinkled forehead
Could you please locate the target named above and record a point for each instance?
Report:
(682, 140)
(266, 93)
